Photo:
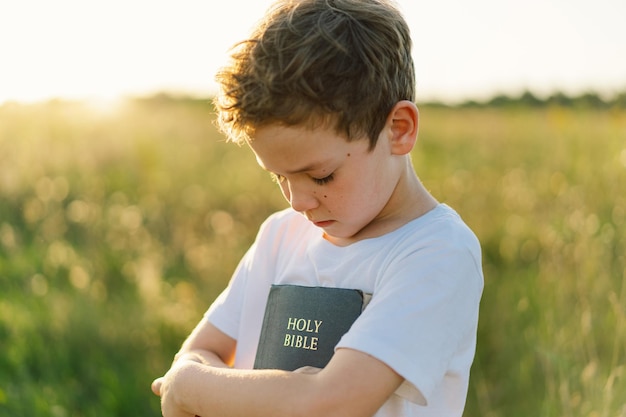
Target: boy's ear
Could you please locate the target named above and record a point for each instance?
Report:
(404, 120)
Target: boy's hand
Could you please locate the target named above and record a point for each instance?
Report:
(194, 356)
(206, 345)
(170, 399)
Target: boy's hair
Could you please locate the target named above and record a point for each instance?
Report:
(342, 62)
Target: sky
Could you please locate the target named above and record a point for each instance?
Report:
(103, 49)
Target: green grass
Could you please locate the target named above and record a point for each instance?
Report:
(117, 230)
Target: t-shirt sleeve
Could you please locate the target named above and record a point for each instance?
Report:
(225, 312)
(423, 316)
(248, 286)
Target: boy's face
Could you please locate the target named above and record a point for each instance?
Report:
(341, 187)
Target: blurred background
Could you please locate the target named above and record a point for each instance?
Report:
(463, 50)
(123, 212)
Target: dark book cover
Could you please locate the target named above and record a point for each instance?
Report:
(302, 325)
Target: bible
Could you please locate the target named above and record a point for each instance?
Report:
(302, 325)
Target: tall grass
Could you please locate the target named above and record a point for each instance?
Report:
(544, 190)
(118, 229)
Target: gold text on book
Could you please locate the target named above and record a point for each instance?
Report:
(302, 325)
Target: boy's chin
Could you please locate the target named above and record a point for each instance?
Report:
(339, 237)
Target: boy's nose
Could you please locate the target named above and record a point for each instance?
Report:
(302, 200)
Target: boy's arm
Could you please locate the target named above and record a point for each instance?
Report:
(213, 346)
(352, 384)
(206, 345)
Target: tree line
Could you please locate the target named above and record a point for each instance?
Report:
(527, 99)
(588, 100)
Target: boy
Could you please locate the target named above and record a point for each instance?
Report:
(323, 94)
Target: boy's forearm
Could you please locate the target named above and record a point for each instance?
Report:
(353, 384)
(208, 391)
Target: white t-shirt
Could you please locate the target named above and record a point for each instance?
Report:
(426, 282)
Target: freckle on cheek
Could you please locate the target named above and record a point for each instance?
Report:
(325, 196)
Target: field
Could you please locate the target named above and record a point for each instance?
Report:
(118, 227)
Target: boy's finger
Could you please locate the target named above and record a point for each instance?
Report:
(308, 370)
(156, 386)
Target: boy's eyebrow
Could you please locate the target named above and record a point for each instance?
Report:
(309, 167)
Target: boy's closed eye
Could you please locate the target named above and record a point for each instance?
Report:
(325, 180)
(279, 179)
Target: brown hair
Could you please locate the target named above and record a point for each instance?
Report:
(345, 62)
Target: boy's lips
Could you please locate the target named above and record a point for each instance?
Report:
(324, 223)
